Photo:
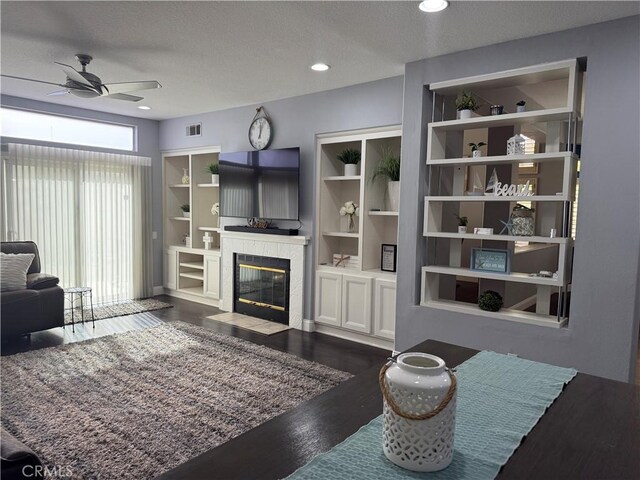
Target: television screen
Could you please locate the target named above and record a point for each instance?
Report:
(261, 184)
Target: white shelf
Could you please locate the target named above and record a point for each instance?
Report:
(209, 185)
(504, 314)
(494, 198)
(196, 265)
(536, 116)
(341, 234)
(495, 237)
(507, 277)
(341, 178)
(497, 159)
(179, 185)
(209, 229)
(383, 213)
(193, 275)
(180, 219)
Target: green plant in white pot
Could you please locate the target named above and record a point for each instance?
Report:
(351, 158)
(214, 170)
(186, 210)
(389, 168)
(465, 104)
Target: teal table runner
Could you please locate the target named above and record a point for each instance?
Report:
(500, 399)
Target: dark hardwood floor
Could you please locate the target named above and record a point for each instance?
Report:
(331, 351)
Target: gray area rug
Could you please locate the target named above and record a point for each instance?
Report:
(133, 405)
(117, 309)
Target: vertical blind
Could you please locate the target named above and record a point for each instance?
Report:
(88, 212)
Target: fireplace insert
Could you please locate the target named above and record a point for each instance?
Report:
(261, 287)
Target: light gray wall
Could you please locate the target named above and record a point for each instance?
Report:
(296, 121)
(602, 335)
(148, 142)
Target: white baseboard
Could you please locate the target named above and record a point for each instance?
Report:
(308, 325)
(158, 290)
(355, 337)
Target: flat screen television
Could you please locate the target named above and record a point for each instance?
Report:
(261, 184)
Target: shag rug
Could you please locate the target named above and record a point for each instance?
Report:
(116, 309)
(134, 405)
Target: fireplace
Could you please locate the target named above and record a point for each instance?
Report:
(261, 287)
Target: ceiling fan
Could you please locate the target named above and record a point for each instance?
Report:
(87, 85)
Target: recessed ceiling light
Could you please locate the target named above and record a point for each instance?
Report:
(320, 67)
(431, 6)
(144, 107)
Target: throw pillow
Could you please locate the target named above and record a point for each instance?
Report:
(13, 270)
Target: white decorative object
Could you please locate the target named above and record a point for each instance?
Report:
(516, 145)
(186, 214)
(463, 114)
(493, 181)
(520, 106)
(350, 169)
(215, 210)
(462, 229)
(483, 231)
(215, 179)
(208, 241)
(553, 233)
(349, 210)
(393, 189)
(419, 412)
(476, 153)
(187, 241)
(507, 190)
(185, 176)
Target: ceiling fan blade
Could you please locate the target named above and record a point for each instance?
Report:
(57, 93)
(74, 75)
(131, 86)
(122, 96)
(33, 80)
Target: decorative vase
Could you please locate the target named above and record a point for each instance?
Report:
(348, 224)
(185, 176)
(521, 108)
(476, 153)
(393, 189)
(419, 412)
(462, 114)
(496, 109)
(462, 229)
(215, 179)
(350, 169)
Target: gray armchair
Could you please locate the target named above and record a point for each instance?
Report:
(39, 307)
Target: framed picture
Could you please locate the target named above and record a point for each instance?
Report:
(388, 257)
(491, 260)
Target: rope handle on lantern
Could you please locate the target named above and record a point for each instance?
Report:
(424, 416)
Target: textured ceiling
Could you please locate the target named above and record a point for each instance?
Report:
(215, 55)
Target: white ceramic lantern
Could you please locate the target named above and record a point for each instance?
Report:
(419, 412)
(516, 145)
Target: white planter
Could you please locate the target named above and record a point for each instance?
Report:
(350, 169)
(419, 383)
(215, 179)
(521, 108)
(186, 214)
(464, 114)
(476, 153)
(393, 189)
(462, 229)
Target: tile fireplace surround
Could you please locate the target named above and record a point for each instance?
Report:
(277, 246)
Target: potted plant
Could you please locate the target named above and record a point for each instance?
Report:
(389, 168)
(349, 210)
(186, 210)
(462, 223)
(520, 106)
(214, 169)
(465, 104)
(350, 157)
(475, 149)
(490, 301)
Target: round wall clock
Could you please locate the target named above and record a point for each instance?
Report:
(260, 130)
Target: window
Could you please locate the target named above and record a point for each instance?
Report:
(55, 128)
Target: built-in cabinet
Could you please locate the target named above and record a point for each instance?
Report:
(354, 298)
(191, 271)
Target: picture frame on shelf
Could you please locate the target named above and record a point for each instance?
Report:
(492, 260)
(388, 257)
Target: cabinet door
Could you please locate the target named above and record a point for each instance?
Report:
(171, 269)
(328, 298)
(356, 303)
(212, 276)
(384, 316)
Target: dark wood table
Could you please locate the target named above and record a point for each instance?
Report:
(592, 431)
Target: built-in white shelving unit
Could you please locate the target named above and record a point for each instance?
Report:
(555, 121)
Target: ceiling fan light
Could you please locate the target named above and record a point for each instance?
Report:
(432, 6)
(320, 67)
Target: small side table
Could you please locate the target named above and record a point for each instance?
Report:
(74, 294)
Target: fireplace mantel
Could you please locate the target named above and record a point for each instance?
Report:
(265, 245)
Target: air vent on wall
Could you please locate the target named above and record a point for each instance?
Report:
(194, 130)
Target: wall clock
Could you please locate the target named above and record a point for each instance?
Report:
(260, 130)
